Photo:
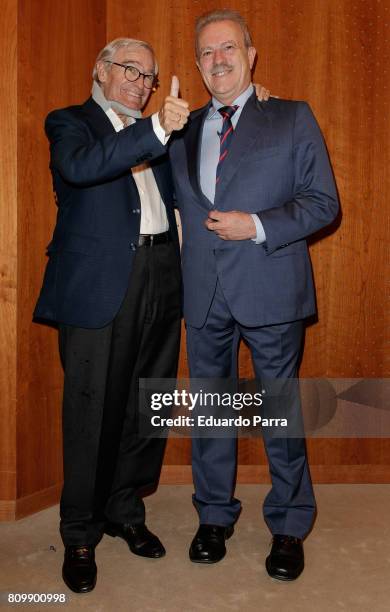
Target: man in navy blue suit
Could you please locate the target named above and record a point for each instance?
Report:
(113, 286)
(252, 181)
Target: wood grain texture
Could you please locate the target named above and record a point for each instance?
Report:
(8, 252)
(57, 45)
(24, 506)
(335, 55)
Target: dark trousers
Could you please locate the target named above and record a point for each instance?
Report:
(107, 465)
(289, 507)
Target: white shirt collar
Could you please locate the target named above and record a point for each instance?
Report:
(239, 101)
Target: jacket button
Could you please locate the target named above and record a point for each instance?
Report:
(136, 211)
(133, 246)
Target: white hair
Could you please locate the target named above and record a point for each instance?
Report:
(108, 52)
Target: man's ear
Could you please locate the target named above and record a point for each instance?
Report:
(252, 56)
(101, 71)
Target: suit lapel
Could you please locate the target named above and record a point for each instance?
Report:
(193, 141)
(252, 131)
(96, 118)
(102, 126)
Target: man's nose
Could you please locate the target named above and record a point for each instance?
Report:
(139, 83)
(218, 56)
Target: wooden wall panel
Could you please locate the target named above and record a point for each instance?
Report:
(332, 53)
(8, 220)
(335, 55)
(57, 45)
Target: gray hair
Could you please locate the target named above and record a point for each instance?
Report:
(111, 48)
(221, 15)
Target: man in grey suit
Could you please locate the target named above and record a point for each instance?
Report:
(252, 181)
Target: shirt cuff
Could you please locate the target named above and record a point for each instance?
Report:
(260, 233)
(158, 130)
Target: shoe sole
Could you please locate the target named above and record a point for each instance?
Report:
(281, 576)
(80, 591)
(206, 561)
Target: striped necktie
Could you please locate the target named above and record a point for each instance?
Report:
(225, 136)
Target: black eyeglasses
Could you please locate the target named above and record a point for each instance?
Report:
(133, 74)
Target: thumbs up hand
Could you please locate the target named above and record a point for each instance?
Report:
(174, 113)
(175, 86)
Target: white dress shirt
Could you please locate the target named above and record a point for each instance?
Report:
(210, 150)
(153, 213)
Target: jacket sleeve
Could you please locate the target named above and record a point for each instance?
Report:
(315, 202)
(84, 161)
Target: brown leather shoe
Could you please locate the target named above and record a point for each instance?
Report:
(286, 560)
(79, 569)
(140, 540)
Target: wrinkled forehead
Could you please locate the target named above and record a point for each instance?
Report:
(217, 33)
(141, 57)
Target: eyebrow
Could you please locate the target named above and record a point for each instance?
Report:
(133, 61)
(225, 42)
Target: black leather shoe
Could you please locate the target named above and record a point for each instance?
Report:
(79, 568)
(141, 541)
(285, 561)
(208, 545)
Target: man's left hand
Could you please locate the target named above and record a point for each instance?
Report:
(262, 93)
(232, 225)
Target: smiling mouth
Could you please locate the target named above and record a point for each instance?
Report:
(221, 73)
(132, 93)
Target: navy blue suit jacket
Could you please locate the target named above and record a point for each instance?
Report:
(277, 167)
(98, 220)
